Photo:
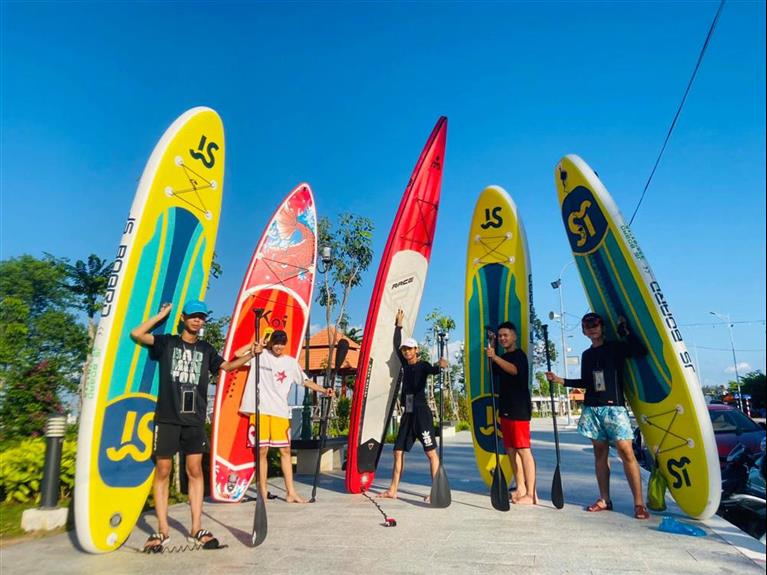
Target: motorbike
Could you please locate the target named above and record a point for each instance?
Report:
(743, 490)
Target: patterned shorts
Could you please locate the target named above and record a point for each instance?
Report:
(605, 423)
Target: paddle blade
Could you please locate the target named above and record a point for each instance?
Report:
(259, 523)
(499, 490)
(557, 496)
(440, 489)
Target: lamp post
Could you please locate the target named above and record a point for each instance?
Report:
(557, 285)
(726, 319)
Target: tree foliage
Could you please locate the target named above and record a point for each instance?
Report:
(352, 252)
(42, 343)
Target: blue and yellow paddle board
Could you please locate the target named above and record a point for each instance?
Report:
(164, 256)
(498, 289)
(662, 387)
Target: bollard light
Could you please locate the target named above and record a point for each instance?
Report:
(55, 429)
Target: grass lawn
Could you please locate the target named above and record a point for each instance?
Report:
(10, 523)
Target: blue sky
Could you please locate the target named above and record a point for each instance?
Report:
(344, 96)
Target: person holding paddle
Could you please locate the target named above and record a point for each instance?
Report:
(516, 410)
(417, 420)
(605, 418)
(278, 372)
(186, 363)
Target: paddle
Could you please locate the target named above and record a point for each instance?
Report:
(499, 495)
(259, 517)
(557, 497)
(440, 487)
(341, 350)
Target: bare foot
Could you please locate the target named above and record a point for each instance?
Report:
(388, 494)
(516, 496)
(525, 500)
(295, 498)
(427, 499)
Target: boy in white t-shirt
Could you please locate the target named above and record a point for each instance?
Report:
(278, 372)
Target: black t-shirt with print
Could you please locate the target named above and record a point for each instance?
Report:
(608, 359)
(513, 392)
(413, 376)
(185, 370)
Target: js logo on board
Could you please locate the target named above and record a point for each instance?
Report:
(678, 470)
(584, 221)
(482, 416)
(126, 442)
(493, 218)
(207, 158)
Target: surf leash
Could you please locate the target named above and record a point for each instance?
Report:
(388, 521)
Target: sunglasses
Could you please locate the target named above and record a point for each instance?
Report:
(591, 323)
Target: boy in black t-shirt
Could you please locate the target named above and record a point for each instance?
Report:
(417, 420)
(186, 363)
(604, 418)
(511, 372)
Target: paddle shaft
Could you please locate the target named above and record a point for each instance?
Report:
(557, 495)
(259, 518)
(441, 345)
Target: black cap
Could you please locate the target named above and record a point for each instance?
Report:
(591, 316)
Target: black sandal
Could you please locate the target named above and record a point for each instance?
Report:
(157, 541)
(198, 537)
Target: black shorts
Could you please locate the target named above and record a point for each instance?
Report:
(170, 438)
(419, 424)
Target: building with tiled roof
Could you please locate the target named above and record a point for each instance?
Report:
(318, 354)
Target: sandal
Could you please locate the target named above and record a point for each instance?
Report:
(156, 543)
(600, 505)
(640, 512)
(199, 539)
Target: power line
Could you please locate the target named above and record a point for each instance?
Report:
(719, 324)
(679, 109)
(724, 348)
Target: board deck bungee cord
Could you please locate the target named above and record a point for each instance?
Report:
(399, 285)
(498, 289)
(164, 255)
(279, 280)
(662, 387)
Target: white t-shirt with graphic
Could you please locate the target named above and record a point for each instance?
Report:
(277, 375)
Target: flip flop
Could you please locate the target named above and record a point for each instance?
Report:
(158, 542)
(201, 534)
(596, 507)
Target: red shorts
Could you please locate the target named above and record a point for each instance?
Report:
(516, 434)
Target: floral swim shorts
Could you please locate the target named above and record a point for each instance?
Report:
(605, 423)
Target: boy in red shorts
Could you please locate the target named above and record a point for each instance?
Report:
(511, 372)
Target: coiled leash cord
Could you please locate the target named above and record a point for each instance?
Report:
(388, 521)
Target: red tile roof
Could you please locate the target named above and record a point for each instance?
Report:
(318, 353)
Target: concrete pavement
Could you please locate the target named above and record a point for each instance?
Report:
(343, 533)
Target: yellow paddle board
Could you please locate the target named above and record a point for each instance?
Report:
(164, 256)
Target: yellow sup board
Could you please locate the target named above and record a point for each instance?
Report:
(498, 289)
(164, 256)
(662, 387)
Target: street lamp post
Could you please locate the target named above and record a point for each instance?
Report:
(726, 319)
(557, 285)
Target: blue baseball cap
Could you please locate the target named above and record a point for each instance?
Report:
(194, 306)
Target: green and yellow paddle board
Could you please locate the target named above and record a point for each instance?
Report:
(164, 256)
(498, 289)
(662, 387)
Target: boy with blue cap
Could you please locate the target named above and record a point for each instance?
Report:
(186, 363)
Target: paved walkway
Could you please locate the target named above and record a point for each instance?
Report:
(341, 533)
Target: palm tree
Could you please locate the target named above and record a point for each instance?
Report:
(88, 282)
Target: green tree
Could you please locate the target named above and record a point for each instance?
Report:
(41, 340)
(754, 384)
(442, 323)
(352, 252)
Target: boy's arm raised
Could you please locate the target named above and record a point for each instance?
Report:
(141, 333)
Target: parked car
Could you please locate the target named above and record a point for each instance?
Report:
(731, 426)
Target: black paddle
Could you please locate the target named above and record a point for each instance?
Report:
(499, 495)
(440, 487)
(557, 497)
(341, 350)
(259, 517)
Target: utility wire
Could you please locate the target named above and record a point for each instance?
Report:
(679, 110)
